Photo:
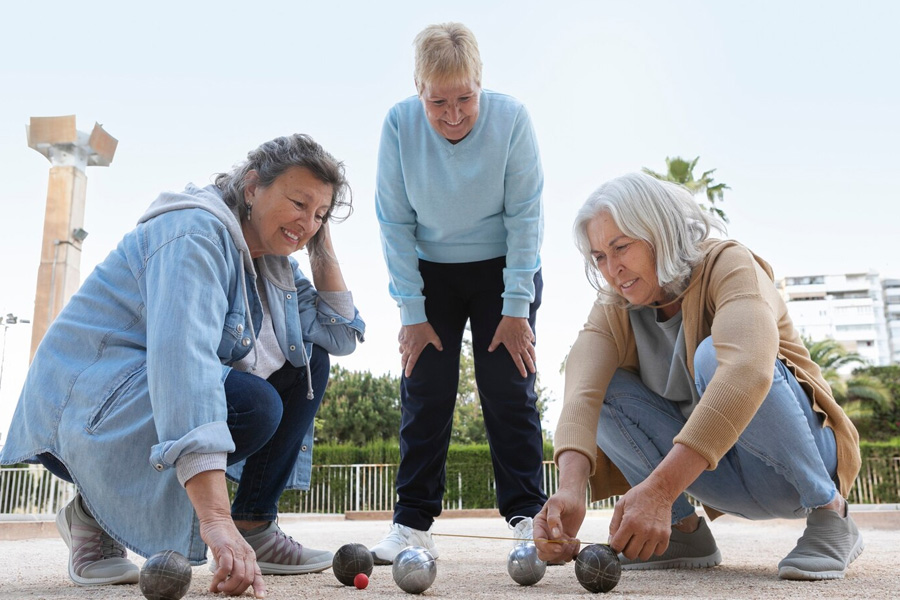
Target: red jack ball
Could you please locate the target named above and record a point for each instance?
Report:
(361, 581)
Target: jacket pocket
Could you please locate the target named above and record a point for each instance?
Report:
(233, 331)
(113, 397)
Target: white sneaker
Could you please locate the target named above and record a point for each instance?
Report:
(523, 530)
(401, 537)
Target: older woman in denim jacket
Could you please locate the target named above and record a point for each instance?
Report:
(195, 348)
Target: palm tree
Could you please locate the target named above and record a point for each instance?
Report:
(860, 393)
(681, 171)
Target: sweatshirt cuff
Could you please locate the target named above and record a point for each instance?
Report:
(340, 302)
(193, 463)
(413, 313)
(516, 307)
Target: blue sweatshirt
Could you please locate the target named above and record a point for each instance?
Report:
(453, 203)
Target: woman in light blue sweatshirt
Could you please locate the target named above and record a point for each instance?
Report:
(458, 199)
(197, 346)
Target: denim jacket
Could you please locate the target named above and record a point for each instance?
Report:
(130, 375)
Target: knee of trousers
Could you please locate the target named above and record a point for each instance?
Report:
(266, 414)
(705, 362)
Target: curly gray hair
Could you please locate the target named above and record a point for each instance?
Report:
(275, 157)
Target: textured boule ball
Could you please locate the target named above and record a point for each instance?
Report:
(165, 576)
(414, 569)
(597, 568)
(350, 560)
(524, 566)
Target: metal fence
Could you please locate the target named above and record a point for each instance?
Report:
(370, 487)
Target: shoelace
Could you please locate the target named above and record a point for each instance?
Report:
(279, 548)
(110, 548)
(92, 544)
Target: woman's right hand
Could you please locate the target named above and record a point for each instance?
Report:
(556, 526)
(236, 567)
(413, 339)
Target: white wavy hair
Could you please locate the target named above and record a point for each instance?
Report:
(661, 213)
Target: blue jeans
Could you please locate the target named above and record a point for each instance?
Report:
(267, 419)
(782, 466)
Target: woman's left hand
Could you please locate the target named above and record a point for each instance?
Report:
(641, 522)
(515, 333)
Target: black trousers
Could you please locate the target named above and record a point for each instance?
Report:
(454, 294)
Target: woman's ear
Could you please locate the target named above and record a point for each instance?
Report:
(251, 181)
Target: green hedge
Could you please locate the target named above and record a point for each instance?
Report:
(469, 464)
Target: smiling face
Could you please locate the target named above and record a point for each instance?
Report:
(451, 108)
(287, 213)
(627, 264)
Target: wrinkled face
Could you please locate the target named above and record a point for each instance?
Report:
(451, 108)
(287, 213)
(628, 265)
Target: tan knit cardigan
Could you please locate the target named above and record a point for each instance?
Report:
(730, 296)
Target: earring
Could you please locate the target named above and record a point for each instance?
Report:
(249, 207)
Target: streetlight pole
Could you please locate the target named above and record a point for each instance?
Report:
(7, 321)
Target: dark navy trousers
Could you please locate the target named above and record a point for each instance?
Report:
(455, 294)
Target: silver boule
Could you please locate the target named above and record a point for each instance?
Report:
(414, 569)
(524, 566)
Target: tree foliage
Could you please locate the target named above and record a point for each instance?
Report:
(863, 395)
(679, 170)
(359, 408)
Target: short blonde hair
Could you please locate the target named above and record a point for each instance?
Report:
(446, 52)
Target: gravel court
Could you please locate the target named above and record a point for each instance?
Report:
(476, 568)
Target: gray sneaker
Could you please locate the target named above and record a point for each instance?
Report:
(827, 547)
(686, 551)
(94, 557)
(278, 554)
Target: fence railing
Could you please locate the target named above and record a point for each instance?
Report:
(370, 487)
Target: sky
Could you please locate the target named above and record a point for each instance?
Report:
(795, 104)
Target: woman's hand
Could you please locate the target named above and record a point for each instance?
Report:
(413, 339)
(516, 335)
(641, 522)
(326, 270)
(556, 526)
(235, 559)
(642, 519)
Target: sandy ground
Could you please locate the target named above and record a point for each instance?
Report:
(476, 568)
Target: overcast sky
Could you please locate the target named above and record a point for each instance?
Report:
(796, 104)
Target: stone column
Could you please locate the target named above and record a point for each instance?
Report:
(70, 152)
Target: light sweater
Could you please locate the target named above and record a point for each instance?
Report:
(474, 200)
(730, 296)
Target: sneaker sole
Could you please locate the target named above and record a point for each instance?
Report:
(795, 574)
(702, 562)
(132, 576)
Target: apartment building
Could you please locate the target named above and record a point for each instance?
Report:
(891, 289)
(849, 308)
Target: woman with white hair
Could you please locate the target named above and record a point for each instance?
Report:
(690, 377)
